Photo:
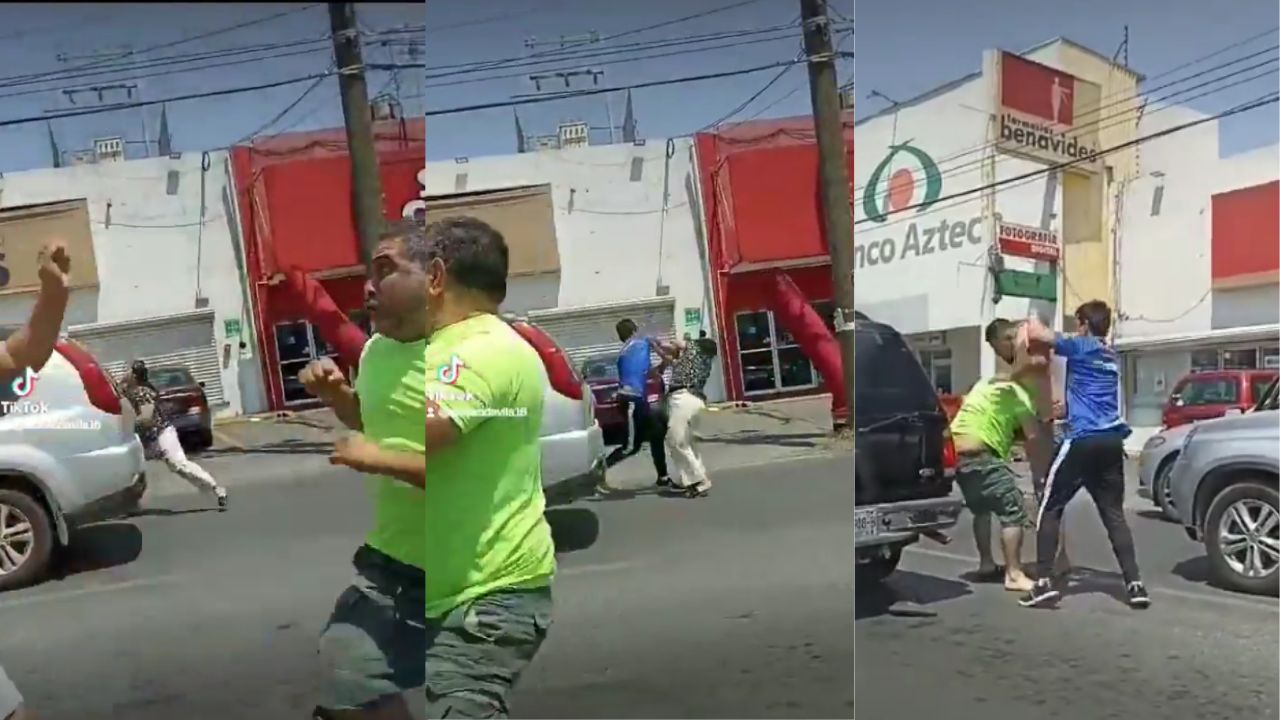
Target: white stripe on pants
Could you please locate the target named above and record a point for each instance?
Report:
(176, 458)
(1048, 479)
(684, 407)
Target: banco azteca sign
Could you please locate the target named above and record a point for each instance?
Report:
(908, 184)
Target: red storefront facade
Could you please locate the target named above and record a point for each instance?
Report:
(759, 190)
(293, 192)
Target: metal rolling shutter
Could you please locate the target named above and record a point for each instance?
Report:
(589, 330)
(185, 339)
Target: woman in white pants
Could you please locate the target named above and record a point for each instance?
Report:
(691, 363)
(10, 699)
(160, 439)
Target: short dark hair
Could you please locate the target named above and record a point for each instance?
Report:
(996, 328)
(707, 346)
(473, 251)
(1096, 316)
(413, 234)
(626, 327)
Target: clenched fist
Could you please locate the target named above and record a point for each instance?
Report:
(54, 265)
(322, 378)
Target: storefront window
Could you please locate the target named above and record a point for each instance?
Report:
(769, 356)
(755, 331)
(937, 365)
(298, 343)
(1240, 359)
(1270, 358)
(1204, 360)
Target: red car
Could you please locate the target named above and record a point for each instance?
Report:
(188, 406)
(601, 373)
(1206, 395)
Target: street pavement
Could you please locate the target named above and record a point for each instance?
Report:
(734, 605)
(930, 644)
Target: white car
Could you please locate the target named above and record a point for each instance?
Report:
(573, 451)
(68, 456)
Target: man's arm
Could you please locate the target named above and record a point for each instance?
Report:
(324, 380)
(1066, 346)
(33, 343)
(363, 455)
(441, 430)
(345, 404)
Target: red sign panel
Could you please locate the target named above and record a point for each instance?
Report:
(1246, 236)
(1028, 242)
(1038, 90)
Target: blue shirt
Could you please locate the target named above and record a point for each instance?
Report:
(633, 366)
(1093, 386)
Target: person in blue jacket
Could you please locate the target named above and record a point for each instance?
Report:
(634, 368)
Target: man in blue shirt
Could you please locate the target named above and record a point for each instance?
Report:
(634, 367)
(1092, 451)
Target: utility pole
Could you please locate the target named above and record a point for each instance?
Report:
(366, 183)
(837, 215)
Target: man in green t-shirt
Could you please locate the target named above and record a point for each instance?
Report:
(488, 544)
(375, 639)
(990, 418)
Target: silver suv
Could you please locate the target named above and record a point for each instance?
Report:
(1226, 490)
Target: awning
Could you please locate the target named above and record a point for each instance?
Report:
(1193, 340)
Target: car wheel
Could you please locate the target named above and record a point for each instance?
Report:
(1162, 492)
(877, 569)
(1242, 538)
(26, 539)
(205, 439)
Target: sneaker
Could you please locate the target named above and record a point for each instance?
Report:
(1138, 597)
(1041, 594)
(222, 498)
(665, 482)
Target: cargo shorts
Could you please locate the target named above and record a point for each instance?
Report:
(10, 698)
(989, 485)
(374, 642)
(477, 652)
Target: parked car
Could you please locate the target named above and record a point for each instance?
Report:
(1161, 451)
(68, 456)
(1225, 491)
(1208, 395)
(187, 405)
(905, 460)
(573, 451)
(601, 374)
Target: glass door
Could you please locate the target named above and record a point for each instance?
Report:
(770, 359)
(298, 343)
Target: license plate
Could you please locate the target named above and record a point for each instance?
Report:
(866, 524)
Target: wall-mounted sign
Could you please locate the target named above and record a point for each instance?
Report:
(692, 320)
(1046, 114)
(25, 230)
(1037, 286)
(231, 328)
(1027, 242)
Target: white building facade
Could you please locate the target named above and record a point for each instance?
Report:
(1179, 309)
(628, 230)
(170, 272)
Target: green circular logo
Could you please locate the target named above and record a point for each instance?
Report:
(899, 189)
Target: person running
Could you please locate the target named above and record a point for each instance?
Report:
(983, 431)
(1092, 451)
(635, 366)
(375, 639)
(488, 544)
(10, 699)
(1031, 369)
(691, 363)
(159, 438)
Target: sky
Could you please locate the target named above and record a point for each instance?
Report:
(33, 35)
(908, 47)
(461, 31)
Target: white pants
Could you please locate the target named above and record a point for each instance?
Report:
(176, 458)
(682, 410)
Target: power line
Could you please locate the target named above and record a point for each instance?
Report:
(160, 101)
(280, 115)
(182, 41)
(597, 91)
(745, 103)
(1097, 123)
(1262, 101)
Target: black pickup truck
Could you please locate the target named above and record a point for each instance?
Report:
(904, 464)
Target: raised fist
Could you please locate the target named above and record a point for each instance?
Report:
(54, 264)
(322, 378)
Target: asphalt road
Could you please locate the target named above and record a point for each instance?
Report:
(1198, 652)
(735, 605)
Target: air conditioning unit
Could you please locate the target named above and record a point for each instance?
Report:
(109, 149)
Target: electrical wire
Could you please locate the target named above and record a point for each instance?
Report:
(746, 103)
(181, 41)
(1024, 178)
(160, 101)
(280, 115)
(1124, 98)
(597, 91)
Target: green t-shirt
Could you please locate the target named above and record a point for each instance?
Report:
(485, 527)
(390, 382)
(993, 412)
